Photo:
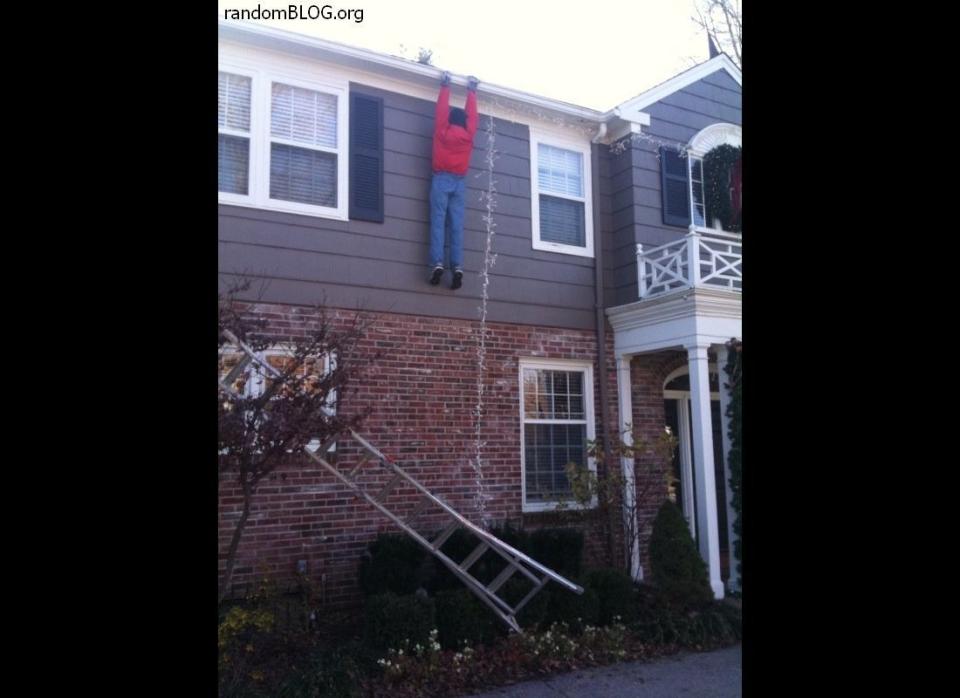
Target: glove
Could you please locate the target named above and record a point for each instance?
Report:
(445, 78)
(472, 83)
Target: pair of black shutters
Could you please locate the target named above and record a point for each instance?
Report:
(366, 158)
(675, 187)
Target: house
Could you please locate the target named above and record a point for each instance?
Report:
(610, 303)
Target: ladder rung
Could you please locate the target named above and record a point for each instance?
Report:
(388, 488)
(416, 511)
(530, 595)
(504, 575)
(447, 532)
(474, 556)
(363, 461)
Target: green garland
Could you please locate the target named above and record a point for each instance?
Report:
(717, 170)
(734, 371)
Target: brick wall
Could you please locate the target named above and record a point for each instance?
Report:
(422, 391)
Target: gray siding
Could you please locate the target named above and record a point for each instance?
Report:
(383, 267)
(635, 174)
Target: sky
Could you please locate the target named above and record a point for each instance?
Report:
(593, 53)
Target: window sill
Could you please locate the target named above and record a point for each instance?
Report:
(299, 209)
(562, 249)
(558, 507)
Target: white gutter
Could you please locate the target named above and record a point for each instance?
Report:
(321, 49)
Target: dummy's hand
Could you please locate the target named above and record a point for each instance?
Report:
(445, 78)
(472, 83)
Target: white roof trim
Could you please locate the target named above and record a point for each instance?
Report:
(321, 49)
(664, 89)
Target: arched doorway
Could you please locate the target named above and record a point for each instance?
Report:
(676, 405)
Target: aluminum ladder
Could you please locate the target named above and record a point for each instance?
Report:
(516, 560)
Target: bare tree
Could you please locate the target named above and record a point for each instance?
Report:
(722, 20)
(293, 405)
(652, 472)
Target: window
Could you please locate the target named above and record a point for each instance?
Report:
(303, 145)
(233, 133)
(556, 401)
(561, 202)
(693, 194)
(697, 199)
(282, 141)
(254, 379)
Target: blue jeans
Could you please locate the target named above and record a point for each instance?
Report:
(446, 216)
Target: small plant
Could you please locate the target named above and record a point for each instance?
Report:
(675, 564)
(424, 56)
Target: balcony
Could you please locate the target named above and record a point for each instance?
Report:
(718, 264)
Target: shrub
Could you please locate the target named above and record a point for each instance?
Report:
(391, 620)
(457, 547)
(459, 618)
(675, 564)
(660, 621)
(576, 610)
(535, 612)
(328, 673)
(616, 594)
(560, 549)
(394, 563)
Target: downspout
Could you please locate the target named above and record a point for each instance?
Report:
(601, 329)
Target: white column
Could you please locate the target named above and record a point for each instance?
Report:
(725, 398)
(625, 407)
(686, 465)
(706, 486)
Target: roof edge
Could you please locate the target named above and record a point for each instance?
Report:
(308, 46)
(678, 82)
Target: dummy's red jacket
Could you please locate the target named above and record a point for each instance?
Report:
(452, 144)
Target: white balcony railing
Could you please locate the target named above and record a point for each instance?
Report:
(717, 263)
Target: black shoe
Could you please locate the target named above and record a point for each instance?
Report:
(457, 279)
(435, 276)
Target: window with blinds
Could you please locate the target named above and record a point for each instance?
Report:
(233, 137)
(303, 145)
(561, 205)
(282, 141)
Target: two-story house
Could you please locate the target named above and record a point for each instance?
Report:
(614, 290)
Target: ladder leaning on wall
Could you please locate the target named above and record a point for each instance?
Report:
(516, 561)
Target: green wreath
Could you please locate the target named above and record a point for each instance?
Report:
(717, 169)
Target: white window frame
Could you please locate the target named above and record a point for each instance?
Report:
(701, 144)
(232, 197)
(586, 367)
(261, 90)
(691, 160)
(537, 137)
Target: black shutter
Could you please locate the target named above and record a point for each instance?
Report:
(366, 158)
(675, 187)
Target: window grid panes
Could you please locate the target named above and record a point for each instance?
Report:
(555, 431)
(698, 205)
